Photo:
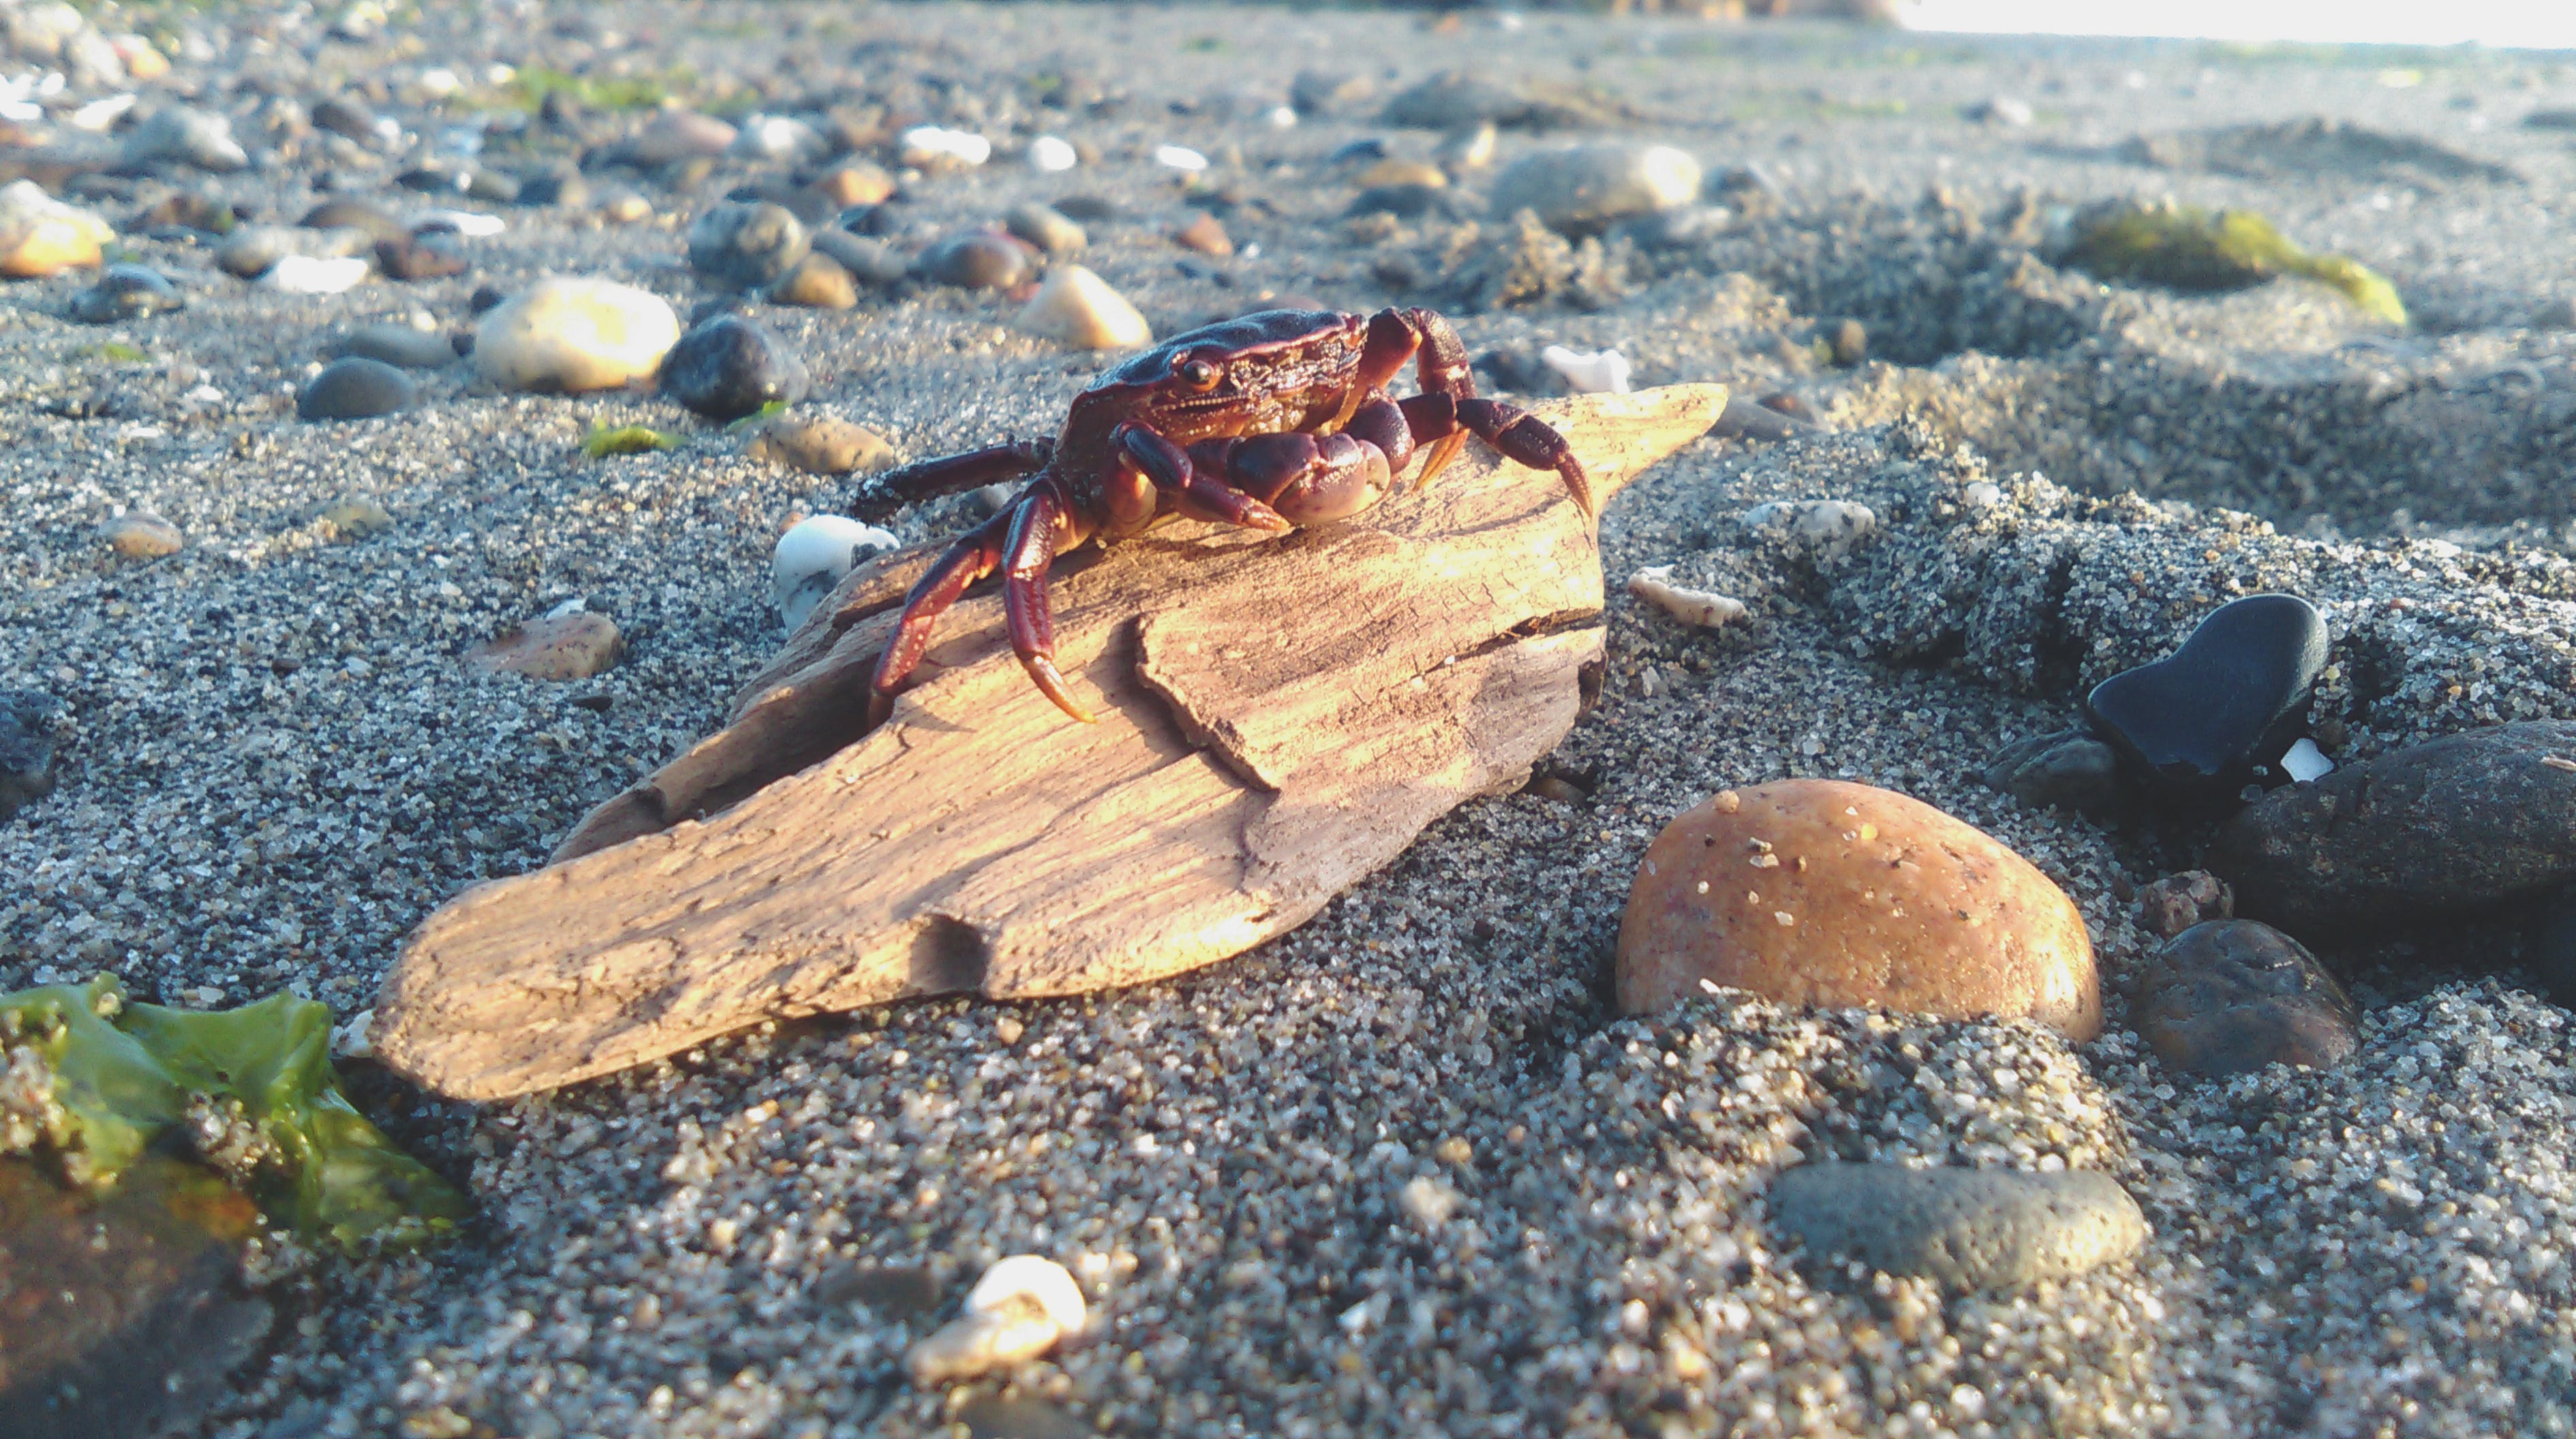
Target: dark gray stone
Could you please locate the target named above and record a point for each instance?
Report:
(356, 388)
(2216, 715)
(2067, 768)
(871, 261)
(26, 748)
(397, 345)
(730, 366)
(126, 292)
(2234, 995)
(746, 245)
(1963, 1228)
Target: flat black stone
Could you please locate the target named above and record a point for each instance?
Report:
(730, 366)
(356, 388)
(2217, 714)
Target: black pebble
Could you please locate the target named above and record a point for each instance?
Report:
(356, 388)
(731, 366)
(2217, 715)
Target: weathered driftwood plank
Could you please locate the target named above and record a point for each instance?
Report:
(1279, 717)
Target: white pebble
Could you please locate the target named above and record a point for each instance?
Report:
(2305, 762)
(1033, 1277)
(926, 143)
(439, 83)
(574, 334)
(1019, 1310)
(1590, 372)
(813, 556)
(472, 224)
(97, 115)
(1982, 495)
(1179, 158)
(1283, 117)
(1703, 608)
(1051, 153)
(316, 274)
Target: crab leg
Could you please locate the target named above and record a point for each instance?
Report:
(976, 554)
(1028, 552)
(1308, 479)
(1524, 437)
(951, 474)
(1190, 490)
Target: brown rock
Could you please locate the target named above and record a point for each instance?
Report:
(859, 182)
(2178, 901)
(1204, 235)
(820, 444)
(1816, 891)
(555, 647)
(817, 282)
(1403, 172)
(2235, 995)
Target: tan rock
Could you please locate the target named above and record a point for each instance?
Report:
(141, 535)
(817, 282)
(820, 444)
(1205, 234)
(40, 235)
(571, 646)
(1814, 891)
(1402, 172)
(1079, 308)
(856, 182)
(574, 334)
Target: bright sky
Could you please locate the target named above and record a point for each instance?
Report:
(2539, 24)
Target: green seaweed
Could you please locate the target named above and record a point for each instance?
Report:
(118, 352)
(603, 441)
(2184, 248)
(757, 417)
(530, 86)
(110, 1077)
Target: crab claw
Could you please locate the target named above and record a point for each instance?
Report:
(1043, 672)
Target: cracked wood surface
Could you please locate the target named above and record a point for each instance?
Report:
(1279, 718)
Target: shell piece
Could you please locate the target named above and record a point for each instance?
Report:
(813, 556)
(1703, 608)
(1590, 372)
(1020, 1308)
(1030, 1276)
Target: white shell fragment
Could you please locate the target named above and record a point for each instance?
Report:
(813, 556)
(1052, 153)
(926, 143)
(1017, 1311)
(1825, 529)
(2306, 762)
(316, 274)
(1703, 608)
(1590, 372)
(1179, 157)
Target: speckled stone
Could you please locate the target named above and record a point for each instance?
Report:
(1825, 892)
(2233, 995)
(126, 292)
(746, 245)
(1965, 1229)
(2178, 901)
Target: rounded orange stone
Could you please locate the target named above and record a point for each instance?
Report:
(1816, 891)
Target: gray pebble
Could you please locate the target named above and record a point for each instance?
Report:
(1964, 1228)
(356, 388)
(126, 292)
(190, 137)
(2066, 768)
(871, 261)
(1046, 228)
(26, 748)
(375, 222)
(746, 245)
(730, 366)
(2234, 995)
(398, 345)
(976, 262)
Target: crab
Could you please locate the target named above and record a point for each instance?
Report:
(1268, 421)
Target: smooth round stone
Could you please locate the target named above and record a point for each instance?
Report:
(2178, 901)
(40, 235)
(676, 135)
(574, 334)
(2461, 823)
(730, 366)
(126, 292)
(572, 646)
(375, 223)
(2217, 714)
(2067, 769)
(1581, 189)
(1824, 892)
(250, 250)
(356, 388)
(1045, 227)
(1320, 92)
(979, 261)
(1965, 1229)
(398, 345)
(1078, 308)
(746, 245)
(1204, 234)
(188, 136)
(344, 116)
(26, 748)
(2233, 995)
(1453, 99)
(412, 258)
(869, 261)
(141, 535)
(820, 445)
(854, 182)
(817, 282)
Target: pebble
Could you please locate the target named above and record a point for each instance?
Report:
(1403, 172)
(402, 345)
(813, 556)
(567, 645)
(1702, 608)
(1964, 1229)
(1849, 341)
(418, 259)
(1452, 100)
(2178, 901)
(40, 235)
(1321, 92)
(820, 445)
(776, 138)
(730, 366)
(817, 282)
(2231, 995)
(855, 182)
(1467, 149)
(1045, 227)
(676, 135)
(933, 147)
(1204, 233)
(26, 748)
(316, 274)
(471, 224)
(2461, 823)
(978, 261)
(573, 334)
(356, 519)
(1019, 1310)
(190, 137)
(141, 535)
(1819, 530)
(347, 116)
(2003, 110)
(746, 245)
(1180, 157)
(1582, 189)
(250, 250)
(1079, 309)
(564, 188)
(375, 223)
(126, 292)
(1825, 892)
(1053, 154)
(870, 261)
(2068, 769)
(2216, 715)
(1405, 202)
(356, 388)
(1589, 372)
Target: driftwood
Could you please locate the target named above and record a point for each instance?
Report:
(1279, 718)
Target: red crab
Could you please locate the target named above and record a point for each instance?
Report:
(1269, 421)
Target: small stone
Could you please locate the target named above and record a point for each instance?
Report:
(817, 282)
(2233, 995)
(1702, 608)
(356, 388)
(1965, 1229)
(1824, 892)
(2217, 714)
(2067, 769)
(1203, 233)
(2178, 901)
(870, 261)
(27, 719)
(1818, 530)
(141, 535)
(574, 334)
(40, 235)
(1020, 1309)
(1053, 154)
(813, 556)
(249, 250)
(126, 292)
(2002, 110)
(934, 148)
(398, 345)
(1467, 149)
(356, 519)
(566, 646)
(628, 208)
(978, 261)
(2458, 824)
(1849, 341)
(1583, 189)
(820, 445)
(375, 223)
(677, 135)
(730, 366)
(1403, 172)
(1046, 228)
(413, 258)
(1321, 92)
(188, 136)
(777, 139)
(1405, 202)
(564, 188)
(1079, 309)
(345, 115)
(1454, 99)
(746, 245)
(316, 274)
(854, 182)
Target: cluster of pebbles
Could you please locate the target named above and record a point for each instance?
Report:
(403, 419)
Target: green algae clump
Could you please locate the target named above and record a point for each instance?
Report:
(2184, 248)
(603, 441)
(96, 1079)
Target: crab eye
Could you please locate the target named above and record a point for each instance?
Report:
(1198, 374)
